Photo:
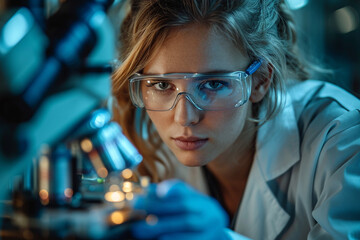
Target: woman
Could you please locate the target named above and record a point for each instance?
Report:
(217, 86)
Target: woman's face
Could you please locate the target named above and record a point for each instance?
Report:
(197, 137)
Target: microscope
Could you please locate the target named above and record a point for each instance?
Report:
(67, 171)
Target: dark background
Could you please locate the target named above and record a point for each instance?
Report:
(330, 36)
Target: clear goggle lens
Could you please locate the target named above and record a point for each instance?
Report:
(205, 92)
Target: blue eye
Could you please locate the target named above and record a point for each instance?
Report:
(162, 85)
(213, 85)
(158, 85)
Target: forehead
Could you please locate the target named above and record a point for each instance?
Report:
(196, 48)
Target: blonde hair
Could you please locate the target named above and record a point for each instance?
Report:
(262, 28)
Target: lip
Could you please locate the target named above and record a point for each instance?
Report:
(190, 143)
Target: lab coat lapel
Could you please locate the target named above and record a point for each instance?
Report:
(278, 143)
(277, 150)
(268, 221)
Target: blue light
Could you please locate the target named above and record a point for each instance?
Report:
(100, 121)
(16, 28)
(297, 4)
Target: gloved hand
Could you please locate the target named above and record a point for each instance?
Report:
(180, 212)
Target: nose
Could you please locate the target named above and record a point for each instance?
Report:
(186, 114)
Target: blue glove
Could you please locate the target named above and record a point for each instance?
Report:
(179, 212)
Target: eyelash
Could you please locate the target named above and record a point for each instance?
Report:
(154, 85)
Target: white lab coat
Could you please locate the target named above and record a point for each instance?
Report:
(305, 179)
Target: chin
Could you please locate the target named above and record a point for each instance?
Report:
(191, 161)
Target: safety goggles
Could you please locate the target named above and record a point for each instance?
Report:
(214, 91)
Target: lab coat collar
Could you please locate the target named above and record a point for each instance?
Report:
(277, 150)
(270, 219)
(278, 143)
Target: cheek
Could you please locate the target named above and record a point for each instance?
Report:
(216, 124)
(161, 120)
(228, 122)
